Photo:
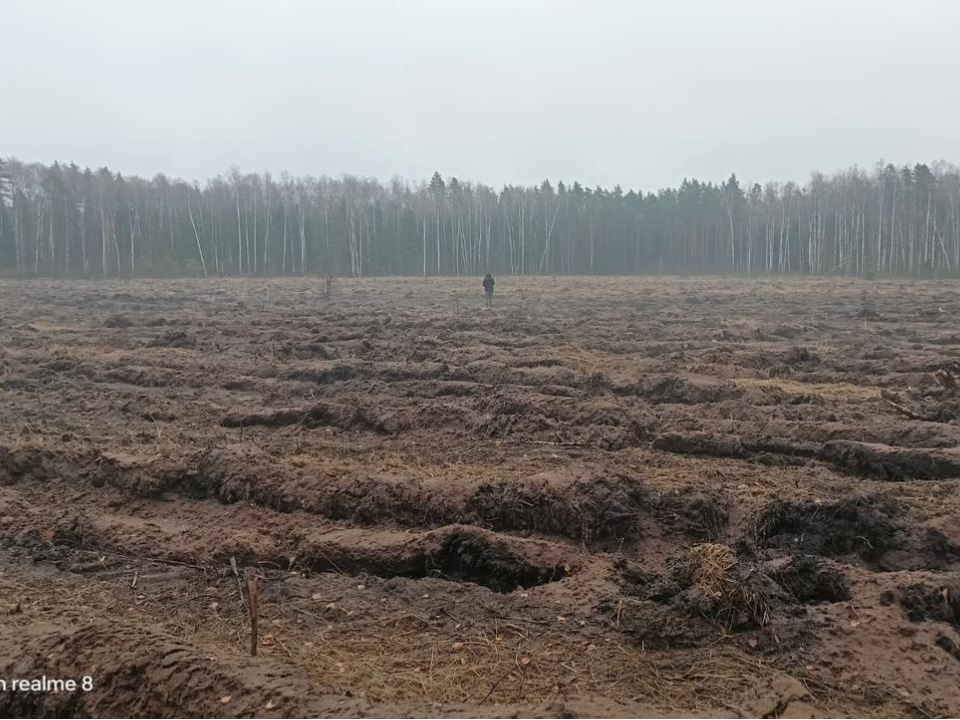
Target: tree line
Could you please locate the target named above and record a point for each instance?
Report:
(62, 221)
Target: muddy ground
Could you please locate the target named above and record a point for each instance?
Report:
(602, 497)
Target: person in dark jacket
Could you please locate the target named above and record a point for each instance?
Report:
(488, 289)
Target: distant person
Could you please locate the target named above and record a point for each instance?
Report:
(488, 283)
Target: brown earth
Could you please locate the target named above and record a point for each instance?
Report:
(602, 497)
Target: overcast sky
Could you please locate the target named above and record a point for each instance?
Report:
(637, 93)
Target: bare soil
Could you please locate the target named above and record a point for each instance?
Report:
(603, 496)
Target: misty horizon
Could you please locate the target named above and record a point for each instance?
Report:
(943, 164)
(636, 94)
(443, 138)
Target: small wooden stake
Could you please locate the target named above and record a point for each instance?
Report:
(252, 594)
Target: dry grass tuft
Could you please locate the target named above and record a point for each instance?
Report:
(720, 586)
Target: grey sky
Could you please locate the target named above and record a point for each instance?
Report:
(637, 93)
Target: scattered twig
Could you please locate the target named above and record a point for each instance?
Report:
(525, 620)
(236, 572)
(450, 615)
(252, 591)
(947, 379)
(557, 444)
(140, 558)
(190, 599)
(497, 684)
(403, 616)
(157, 425)
(326, 557)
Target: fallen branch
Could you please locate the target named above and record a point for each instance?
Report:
(893, 402)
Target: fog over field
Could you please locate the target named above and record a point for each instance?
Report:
(445, 138)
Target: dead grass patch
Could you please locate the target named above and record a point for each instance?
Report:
(508, 665)
(827, 391)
